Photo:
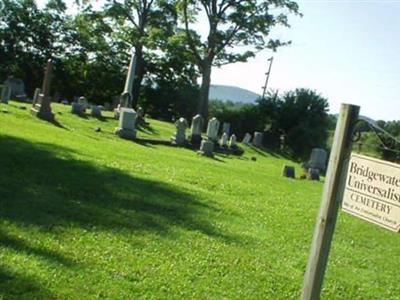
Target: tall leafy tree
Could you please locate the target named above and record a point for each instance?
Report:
(232, 23)
(140, 24)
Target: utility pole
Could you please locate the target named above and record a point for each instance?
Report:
(267, 74)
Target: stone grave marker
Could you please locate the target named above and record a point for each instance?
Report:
(288, 171)
(212, 130)
(224, 140)
(258, 139)
(96, 111)
(42, 108)
(247, 138)
(179, 138)
(17, 87)
(195, 130)
(318, 159)
(127, 123)
(226, 128)
(207, 148)
(313, 174)
(232, 142)
(5, 94)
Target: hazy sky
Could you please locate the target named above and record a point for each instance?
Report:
(347, 50)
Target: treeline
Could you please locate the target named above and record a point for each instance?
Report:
(299, 119)
(91, 52)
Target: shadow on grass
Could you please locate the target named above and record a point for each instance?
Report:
(146, 128)
(20, 286)
(43, 185)
(19, 245)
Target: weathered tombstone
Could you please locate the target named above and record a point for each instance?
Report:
(206, 148)
(36, 96)
(77, 108)
(232, 142)
(313, 174)
(17, 87)
(288, 171)
(5, 94)
(195, 130)
(83, 101)
(257, 139)
(117, 111)
(179, 138)
(127, 123)
(318, 159)
(212, 130)
(226, 128)
(96, 111)
(140, 116)
(247, 138)
(224, 140)
(42, 108)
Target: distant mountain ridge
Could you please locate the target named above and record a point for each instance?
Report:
(232, 93)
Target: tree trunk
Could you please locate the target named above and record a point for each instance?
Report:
(139, 73)
(204, 90)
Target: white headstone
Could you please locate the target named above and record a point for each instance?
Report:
(257, 140)
(127, 123)
(224, 140)
(206, 148)
(212, 129)
(247, 138)
(197, 124)
(179, 138)
(232, 141)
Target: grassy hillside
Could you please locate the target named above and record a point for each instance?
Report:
(86, 215)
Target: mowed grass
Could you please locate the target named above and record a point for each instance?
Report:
(86, 215)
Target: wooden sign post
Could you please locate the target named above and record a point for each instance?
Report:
(326, 220)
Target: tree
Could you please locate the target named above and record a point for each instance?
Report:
(29, 36)
(232, 23)
(301, 116)
(141, 24)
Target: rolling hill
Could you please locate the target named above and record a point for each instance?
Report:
(232, 93)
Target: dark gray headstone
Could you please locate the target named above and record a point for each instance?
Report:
(288, 171)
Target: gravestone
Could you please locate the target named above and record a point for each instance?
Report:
(247, 138)
(212, 130)
(36, 96)
(77, 108)
(288, 171)
(42, 108)
(257, 140)
(96, 111)
(224, 140)
(107, 106)
(127, 123)
(313, 174)
(82, 101)
(226, 128)
(17, 87)
(179, 138)
(232, 142)
(117, 111)
(5, 94)
(206, 148)
(195, 130)
(318, 159)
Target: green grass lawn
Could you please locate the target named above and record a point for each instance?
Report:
(86, 215)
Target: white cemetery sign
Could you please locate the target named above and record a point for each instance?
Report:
(372, 191)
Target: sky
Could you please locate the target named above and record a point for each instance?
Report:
(346, 50)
